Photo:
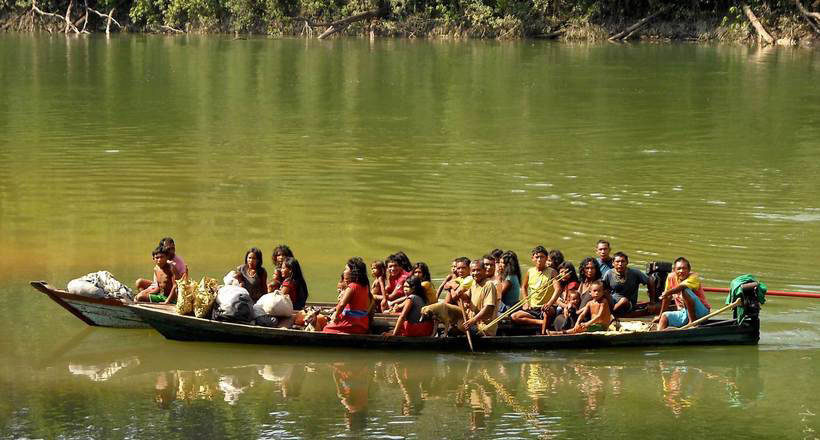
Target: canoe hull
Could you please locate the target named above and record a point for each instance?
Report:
(187, 328)
(101, 312)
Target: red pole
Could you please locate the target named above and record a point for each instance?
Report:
(769, 292)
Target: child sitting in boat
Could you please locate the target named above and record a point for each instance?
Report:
(411, 322)
(177, 263)
(377, 287)
(568, 317)
(352, 311)
(396, 275)
(279, 254)
(293, 283)
(597, 310)
(163, 289)
(422, 271)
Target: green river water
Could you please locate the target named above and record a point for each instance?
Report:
(441, 149)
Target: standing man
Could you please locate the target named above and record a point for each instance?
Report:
(605, 262)
(623, 282)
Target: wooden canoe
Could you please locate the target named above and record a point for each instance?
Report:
(188, 328)
(105, 312)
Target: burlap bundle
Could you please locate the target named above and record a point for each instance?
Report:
(186, 289)
(205, 297)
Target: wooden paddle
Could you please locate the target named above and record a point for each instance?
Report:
(467, 330)
(699, 321)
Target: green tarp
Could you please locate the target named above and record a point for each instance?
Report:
(736, 292)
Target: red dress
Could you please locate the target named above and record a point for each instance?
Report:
(354, 317)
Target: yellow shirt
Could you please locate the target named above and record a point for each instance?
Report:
(539, 286)
(480, 297)
(429, 292)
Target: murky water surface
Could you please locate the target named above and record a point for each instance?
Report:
(439, 149)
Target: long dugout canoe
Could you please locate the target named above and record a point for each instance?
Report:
(188, 328)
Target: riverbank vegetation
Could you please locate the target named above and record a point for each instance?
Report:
(769, 21)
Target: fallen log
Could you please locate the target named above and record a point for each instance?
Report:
(340, 25)
(628, 32)
(761, 31)
(808, 15)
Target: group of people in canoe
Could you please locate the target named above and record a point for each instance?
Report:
(475, 295)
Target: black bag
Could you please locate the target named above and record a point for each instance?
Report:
(239, 309)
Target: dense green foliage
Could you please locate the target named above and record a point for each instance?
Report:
(578, 19)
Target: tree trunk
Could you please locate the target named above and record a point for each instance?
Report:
(761, 31)
(626, 33)
(340, 25)
(809, 15)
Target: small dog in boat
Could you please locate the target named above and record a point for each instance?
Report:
(446, 314)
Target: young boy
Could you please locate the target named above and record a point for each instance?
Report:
(597, 309)
(569, 315)
(538, 290)
(164, 287)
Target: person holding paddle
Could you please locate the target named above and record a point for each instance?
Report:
(688, 294)
(481, 301)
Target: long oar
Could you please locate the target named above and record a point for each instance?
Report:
(513, 308)
(696, 323)
(467, 330)
(770, 292)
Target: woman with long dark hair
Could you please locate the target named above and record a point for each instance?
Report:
(352, 311)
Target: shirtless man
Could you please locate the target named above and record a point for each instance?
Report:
(164, 287)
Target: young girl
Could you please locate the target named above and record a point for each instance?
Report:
(293, 284)
(278, 257)
(509, 280)
(352, 311)
(378, 270)
(411, 322)
(422, 272)
(251, 275)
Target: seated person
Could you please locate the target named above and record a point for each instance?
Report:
(252, 276)
(411, 322)
(396, 275)
(480, 301)
(604, 260)
(279, 254)
(508, 275)
(377, 286)
(180, 268)
(588, 272)
(461, 283)
(539, 290)
(623, 282)
(293, 283)
(422, 272)
(688, 294)
(568, 317)
(352, 311)
(450, 277)
(164, 287)
(597, 311)
(567, 282)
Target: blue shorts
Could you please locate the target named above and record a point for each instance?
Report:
(680, 318)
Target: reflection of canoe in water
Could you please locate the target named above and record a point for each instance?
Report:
(187, 328)
(103, 312)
